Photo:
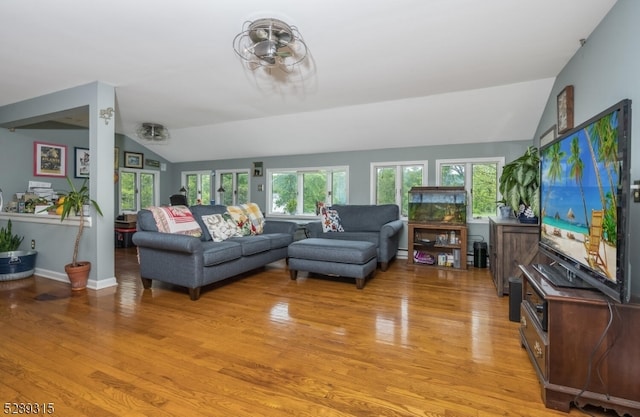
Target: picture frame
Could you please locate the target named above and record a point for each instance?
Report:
(49, 160)
(152, 163)
(133, 160)
(82, 162)
(548, 136)
(116, 157)
(565, 109)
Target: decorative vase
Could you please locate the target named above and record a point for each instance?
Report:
(78, 275)
(505, 212)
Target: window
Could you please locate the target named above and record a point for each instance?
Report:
(391, 182)
(235, 184)
(479, 176)
(198, 185)
(296, 191)
(138, 189)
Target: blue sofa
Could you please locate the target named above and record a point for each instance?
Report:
(378, 224)
(194, 262)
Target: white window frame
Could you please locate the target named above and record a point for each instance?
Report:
(468, 162)
(199, 174)
(299, 171)
(234, 190)
(398, 165)
(137, 172)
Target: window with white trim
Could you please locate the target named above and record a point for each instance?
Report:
(296, 191)
(479, 176)
(138, 189)
(198, 186)
(232, 187)
(391, 182)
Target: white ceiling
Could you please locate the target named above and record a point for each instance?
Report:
(381, 74)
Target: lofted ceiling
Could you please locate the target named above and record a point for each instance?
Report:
(380, 74)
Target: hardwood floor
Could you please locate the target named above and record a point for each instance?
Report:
(413, 342)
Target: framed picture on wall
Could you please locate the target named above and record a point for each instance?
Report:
(49, 160)
(565, 109)
(82, 162)
(133, 160)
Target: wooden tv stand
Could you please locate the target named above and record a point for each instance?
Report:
(563, 353)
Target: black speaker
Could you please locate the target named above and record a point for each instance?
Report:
(480, 254)
(515, 298)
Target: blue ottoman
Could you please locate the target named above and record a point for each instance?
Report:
(345, 258)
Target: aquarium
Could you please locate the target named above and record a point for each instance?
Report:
(438, 205)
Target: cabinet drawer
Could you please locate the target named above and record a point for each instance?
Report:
(534, 340)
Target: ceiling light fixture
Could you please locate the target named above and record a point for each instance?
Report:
(153, 133)
(270, 43)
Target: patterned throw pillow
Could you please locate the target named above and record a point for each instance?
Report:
(176, 219)
(330, 220)
(221, 226)
(248, 217)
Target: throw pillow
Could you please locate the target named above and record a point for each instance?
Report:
(242, 220)
(248, 217)
(330, 220)
(176, 219)
(221, 226)
(255, 217)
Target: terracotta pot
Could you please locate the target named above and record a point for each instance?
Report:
(78, 275)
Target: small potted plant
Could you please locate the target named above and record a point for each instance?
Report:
(519, 185)
(14, 264)
(504, 208)
(73, 203)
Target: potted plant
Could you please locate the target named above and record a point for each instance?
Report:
(14, 264)
(504, 208)
(519, 185)
(73, 203)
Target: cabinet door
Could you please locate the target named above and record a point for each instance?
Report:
(519, 247)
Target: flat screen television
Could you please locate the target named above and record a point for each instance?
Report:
(585, 192)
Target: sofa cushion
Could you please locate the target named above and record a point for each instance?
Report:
(215, 253)
(220, 226)
(252, 244)
(337, 251)
(176, 219)
(366, 218)
(373, 237)
(146, 222)
(279, 240)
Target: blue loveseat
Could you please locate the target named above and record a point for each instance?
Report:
(194, 262)
(378, 224)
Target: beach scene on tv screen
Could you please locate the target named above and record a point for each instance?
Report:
(578, 195)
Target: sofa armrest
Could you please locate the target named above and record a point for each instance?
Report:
(167, 241)
(280, 226)
(390, 229)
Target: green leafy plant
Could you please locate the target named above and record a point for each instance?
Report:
(519, 183)
(8, 241)
(72, 203)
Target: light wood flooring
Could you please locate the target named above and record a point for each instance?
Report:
(413, 342)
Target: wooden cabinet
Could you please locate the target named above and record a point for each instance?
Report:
(511, 244)
(435, 240)
(583, 347)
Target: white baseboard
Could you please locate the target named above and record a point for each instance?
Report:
(92, 284)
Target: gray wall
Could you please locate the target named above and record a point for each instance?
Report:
(603, 72)
(16, 170)
(359, 163)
